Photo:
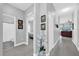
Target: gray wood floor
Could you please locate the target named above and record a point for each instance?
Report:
(8, 45)
(22, 50)
(66, 48)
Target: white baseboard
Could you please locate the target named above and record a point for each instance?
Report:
(75, 45)
(34, 54)
(52, 47)
(74, 42)
(48, 54)
(55, 43)
(8, 40)
(20, 44)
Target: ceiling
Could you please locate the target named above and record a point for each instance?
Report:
(21, 6)
(64, 8)
(60, 6)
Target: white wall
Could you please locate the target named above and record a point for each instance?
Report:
(53, 32)
(37, 28)
(76, 28)
(66, 17)
(10, 10)
(1, 31)
(43, 11)
(40, 9)
(50, 41)
(77, 33)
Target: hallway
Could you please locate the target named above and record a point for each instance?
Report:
(66, 48)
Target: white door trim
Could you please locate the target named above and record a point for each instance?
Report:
(27, 32)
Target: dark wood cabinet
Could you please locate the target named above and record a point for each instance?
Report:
(66, 33)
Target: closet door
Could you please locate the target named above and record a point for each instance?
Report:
(8, 32)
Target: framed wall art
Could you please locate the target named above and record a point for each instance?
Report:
(20, 24)
(43, 26)
(43, 18)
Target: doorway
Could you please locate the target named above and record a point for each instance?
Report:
(30, 32)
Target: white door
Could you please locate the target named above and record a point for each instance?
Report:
(8, 32)
(9, 28)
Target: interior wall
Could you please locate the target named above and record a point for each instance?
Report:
(1, 30)
(53, 32)
(10, 10)
(51, 20)
(40, 9)
(66, 17)
(43, 9)
(76, 41)
(37, 28)
(8, 19)
(78, 27)
(75, 31)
